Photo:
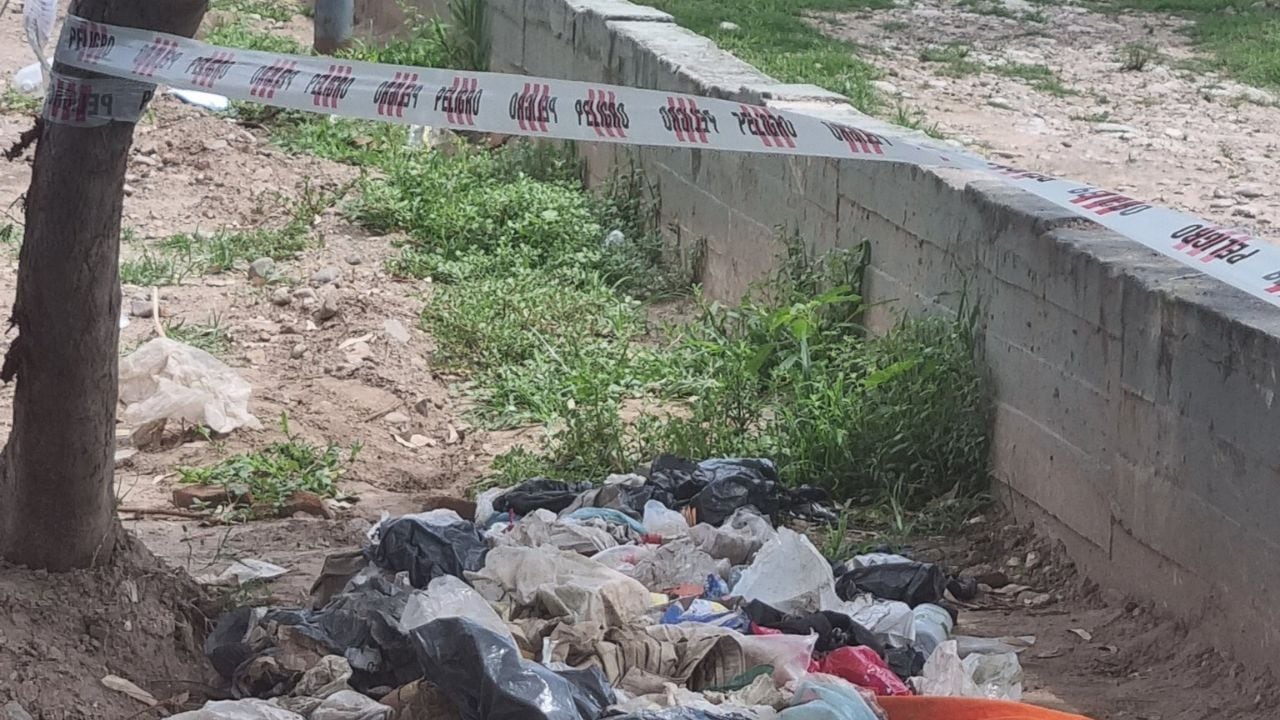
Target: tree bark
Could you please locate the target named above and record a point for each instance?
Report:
(57, 507)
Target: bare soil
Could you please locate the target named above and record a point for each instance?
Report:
(1172, 131)
(142, 618)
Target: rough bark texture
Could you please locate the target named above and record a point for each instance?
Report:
(56, 472)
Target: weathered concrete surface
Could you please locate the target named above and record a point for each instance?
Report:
(1135, 401)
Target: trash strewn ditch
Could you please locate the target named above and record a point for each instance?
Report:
(682, 592)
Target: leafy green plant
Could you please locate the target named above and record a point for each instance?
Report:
(273, 474)
(14, 101)
(278, 10)
(1135, 57)
(212, 336)
(155, 267)
(466, 42)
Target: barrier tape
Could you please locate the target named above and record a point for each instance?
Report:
(589, 112)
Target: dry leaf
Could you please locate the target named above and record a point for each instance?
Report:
(452, 438)
(119, 684)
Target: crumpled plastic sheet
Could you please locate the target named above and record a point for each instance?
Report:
(834, 629)
(328, 677)
(427, 548)
(624, 558)
(677, 563)
(541, 527)
(825, 697)
(167, 380)
(664, 522)
(249, 709)
(608, 515)
(788, 574)
(559, 584)
(995, 677)
(351, 705)
(737, 540)
(539, 493)
(911, 582)
(487, 679)
(888, 619)
(862, 667)
(447, 596)
(625, 493)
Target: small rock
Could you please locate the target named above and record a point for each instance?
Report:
(727, 26)
(141, 308)
(354, 259)
(146, 160)
(1033, 560)
(216, 145)
(281, 296)
(1222, 204)
(128, 189)
(999, 102)
(1257, 96)
(1246, 211)
(262, 270)
(306, 502)
(325, 276)
(124, 455)
(1250, 190)
(994, 579)
(1116, 129)
(328, 307)
(884, 86)
(396, 418)
(1014, 562)
(1221, 193)
(304, 293)
(14, 711)
(1035, 600)
(298, 351)
(1175, 133)
(396, 330)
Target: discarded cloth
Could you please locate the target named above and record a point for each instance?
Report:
(834, 629)
(427, 549)
(486, 678)
(677, 563)
(554, 583)
(825, 697)
(608, 515)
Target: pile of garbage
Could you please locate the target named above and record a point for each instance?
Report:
(675, 595)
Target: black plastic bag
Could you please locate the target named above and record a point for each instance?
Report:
(428, 550)
(719, 486)
(228, 646)
(539, 494)
(905, 662)
(834, 629)
(487, 679)
(675, 480)
(912, 583)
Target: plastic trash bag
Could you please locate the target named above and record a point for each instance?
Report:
(737, 483)
(242, 571)
(608, 515)
(834, 629)
(426, 549)
(208, 101)
(738, 539)
(351, 705)
(967, 645)
(788, 574)
(541, 527)
(888, 619)
(166, 380)
(487, 679)
(250, 709)
(447, 596)
(624, 558)
(877, 558)
(325, 679)
(663, 522)
(559, 584)
(677, 564)
(484, 505)
(864, 668)
(910, 582)
(996, 677)
(539, 493)
(825, 697)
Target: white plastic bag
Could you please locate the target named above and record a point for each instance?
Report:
(484, 504)
(790, 574)
(168, 380)
(827, 697)
(996, 677)
(890, 619)
(560, 584)
(250, 709)
(29, 79)
(624, 558)
(737, 540)
(664, 522)
(448, 596)
(351, 705)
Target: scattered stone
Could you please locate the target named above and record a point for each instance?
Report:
(216, 145)
(465, 508)
(1014, 562)
(396, 418)
(423, 407)
(1221, 193)
(328, 307)
(146, 160)
(281, 296)
(1035, 600)
(1247, 211)
(304, 293)
(129, 189)
(354, 259)
(396, 330)
(1115, 129)
(298, 351)
(452, 437)
(1175, 133)
(124, 456)
(1222, 203)
(884, 86)
(325, 276)
(305, 502)
(994, 579)
(727, 26)
(14, 711)
(1257, 96)
(141, 308)
(1250, 190)
(1033, 560)
(999, 102)
(262, 270)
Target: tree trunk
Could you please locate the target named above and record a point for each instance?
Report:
(57, 507)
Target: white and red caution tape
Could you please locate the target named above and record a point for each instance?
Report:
(570, 110)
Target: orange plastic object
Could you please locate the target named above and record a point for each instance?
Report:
(916, 707)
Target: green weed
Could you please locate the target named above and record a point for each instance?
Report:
(14, 101)
(212, 336)
(1097, 117)
(273, 474)
(236, 32)
(954, 59)
(1135, 57)
(279, 10)
(155, 267)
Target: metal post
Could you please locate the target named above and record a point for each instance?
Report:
(333, 25)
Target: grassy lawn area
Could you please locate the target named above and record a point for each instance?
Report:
(773, 36)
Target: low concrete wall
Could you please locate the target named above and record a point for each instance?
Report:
(1134, 398)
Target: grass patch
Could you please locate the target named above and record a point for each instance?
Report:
(15, 101)
(1135, 57)
(212, 336)
(1244, 40)
(273, 474)
(235, 31)
(278, 10)
(774, 36)
(155, 267)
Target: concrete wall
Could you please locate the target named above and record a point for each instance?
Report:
(1135, 417)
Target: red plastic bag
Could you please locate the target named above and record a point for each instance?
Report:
(761, 630)
(861, 666)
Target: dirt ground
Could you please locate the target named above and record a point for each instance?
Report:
(337, 382)
(1172, 132)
